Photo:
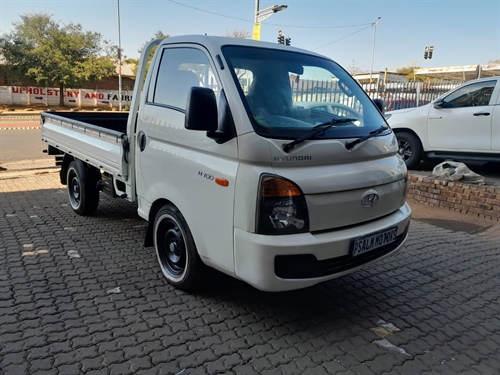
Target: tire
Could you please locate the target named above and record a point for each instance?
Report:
(410, 149)
(176, 251)
(83, 192)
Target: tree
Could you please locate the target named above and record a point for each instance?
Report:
(238, 33)
(353, 70)
(56, 54)
(158, 35)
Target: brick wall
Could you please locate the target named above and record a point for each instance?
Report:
(482, 201)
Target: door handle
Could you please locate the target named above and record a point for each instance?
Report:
(481, 114)
(141, 139)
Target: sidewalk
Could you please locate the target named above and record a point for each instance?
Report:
(27, 167)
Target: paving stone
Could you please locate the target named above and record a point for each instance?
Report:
(90, 364)
(15, 369)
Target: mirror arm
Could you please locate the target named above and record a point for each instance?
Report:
(218, 136)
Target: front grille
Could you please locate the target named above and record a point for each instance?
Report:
(307, 266)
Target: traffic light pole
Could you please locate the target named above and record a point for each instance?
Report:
(427, 55)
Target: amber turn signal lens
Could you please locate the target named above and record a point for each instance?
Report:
(221, 181)
(276, 187)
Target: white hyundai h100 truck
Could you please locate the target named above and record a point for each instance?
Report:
(234, 170)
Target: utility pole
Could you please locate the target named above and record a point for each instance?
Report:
(373, 45)
(119, 60)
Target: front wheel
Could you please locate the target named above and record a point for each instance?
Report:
(410, 149)
(176, 251)
(83, 192)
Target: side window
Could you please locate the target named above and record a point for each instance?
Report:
(476, 94)
(180, 69)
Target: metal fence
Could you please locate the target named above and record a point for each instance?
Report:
(396, 95)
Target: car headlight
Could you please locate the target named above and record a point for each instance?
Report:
(281, 207)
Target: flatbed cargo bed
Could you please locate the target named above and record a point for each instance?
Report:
(99, 139)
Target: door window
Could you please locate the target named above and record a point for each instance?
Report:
(476, 94)
(180, 69)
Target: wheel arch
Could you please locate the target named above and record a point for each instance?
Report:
(410, 131)
(155, 207)
(406, 130)
(63, 173)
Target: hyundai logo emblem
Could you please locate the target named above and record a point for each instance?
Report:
(369, 199)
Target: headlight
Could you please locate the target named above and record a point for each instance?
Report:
(282, 207)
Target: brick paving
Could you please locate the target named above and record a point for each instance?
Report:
(81, 295)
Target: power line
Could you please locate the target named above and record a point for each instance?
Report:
(315, 49)
(207, 11)
(272, 24)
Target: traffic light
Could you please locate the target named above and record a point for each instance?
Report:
(428, 52)
(431, 49)
(281, 38)
(288, 41)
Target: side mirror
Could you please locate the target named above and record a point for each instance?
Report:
(439, 103)
(379, 103)
(201, 110)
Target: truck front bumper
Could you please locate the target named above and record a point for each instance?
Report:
(287, 262)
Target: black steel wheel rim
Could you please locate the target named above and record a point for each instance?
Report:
(405, 150)
(74, 189)
(171, 248)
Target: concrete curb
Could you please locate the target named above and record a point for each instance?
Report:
(19, 127)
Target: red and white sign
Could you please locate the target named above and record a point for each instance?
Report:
(18, 95)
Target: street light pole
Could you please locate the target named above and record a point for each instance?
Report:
(119, 60)
(256, 11)
(373, 45)
(261, 14)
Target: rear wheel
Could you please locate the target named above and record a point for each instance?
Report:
(83, 192)
(410, 149)
(176, 251)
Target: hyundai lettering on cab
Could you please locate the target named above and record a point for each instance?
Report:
(233, 171)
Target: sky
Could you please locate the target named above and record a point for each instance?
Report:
(462, 32)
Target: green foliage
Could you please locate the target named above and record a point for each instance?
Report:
(158, 35)
(52, 53)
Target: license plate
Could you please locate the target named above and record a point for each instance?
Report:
(374, 241)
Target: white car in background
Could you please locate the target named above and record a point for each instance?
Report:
(463, 124)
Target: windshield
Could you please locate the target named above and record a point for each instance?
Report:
(287, 93)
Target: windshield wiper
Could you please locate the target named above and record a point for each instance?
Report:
(350, 145)
(287, 147)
